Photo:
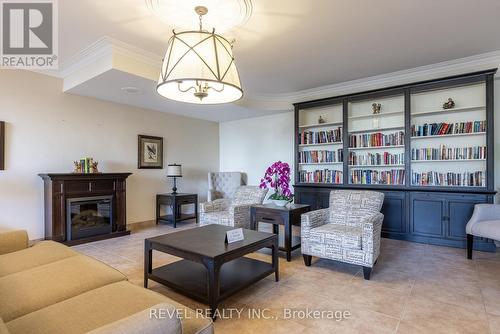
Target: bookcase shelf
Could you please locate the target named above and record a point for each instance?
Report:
(444, 111)
(320, 144)
(436, 211)
(385, 114)
(375, 147)
(320, 125)
(321, 163)
(450, 135)
(374, 166)
(447, 160)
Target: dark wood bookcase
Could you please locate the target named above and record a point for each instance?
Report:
(434, 200)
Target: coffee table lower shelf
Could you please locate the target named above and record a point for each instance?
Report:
(191, 278)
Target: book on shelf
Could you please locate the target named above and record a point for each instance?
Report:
(321, 176)
(441, 129)
(377, 139)
(449, 153)
(450, 179)
(389, 177)
(321, 137)
(376, 159)
(320, 156)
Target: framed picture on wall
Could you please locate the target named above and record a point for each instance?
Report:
(2, 145)
(150, 152)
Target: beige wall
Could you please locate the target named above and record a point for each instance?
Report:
(46, 130)
(249, 145)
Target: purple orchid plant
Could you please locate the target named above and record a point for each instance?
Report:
(277, 176)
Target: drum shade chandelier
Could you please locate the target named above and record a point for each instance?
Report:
(199, 67)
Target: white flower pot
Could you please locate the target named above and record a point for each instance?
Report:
(280, 202)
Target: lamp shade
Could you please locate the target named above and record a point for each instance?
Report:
(199, 67)
(174, 170)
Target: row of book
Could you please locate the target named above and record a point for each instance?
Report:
(321, 137)
(441, 129)
(320, 176)
(389, 177)
(449, 153)
(321, 156)
(376, 159)
(466, 179)
(377, 139)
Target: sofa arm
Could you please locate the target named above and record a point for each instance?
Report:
(162, 318)
(313, 219)
(13, 240)
(214, 206)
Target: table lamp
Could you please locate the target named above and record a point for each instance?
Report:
(175, 171)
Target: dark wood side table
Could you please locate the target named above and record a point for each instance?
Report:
(277, 215)
(176, 201)
(211, 270)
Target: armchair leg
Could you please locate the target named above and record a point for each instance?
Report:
(307, 260)
(367, 271)
(470, 239)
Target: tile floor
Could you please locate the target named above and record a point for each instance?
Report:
(415, 288)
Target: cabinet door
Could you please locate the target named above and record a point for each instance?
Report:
(426, 215)
(459, 211)
(394, 210)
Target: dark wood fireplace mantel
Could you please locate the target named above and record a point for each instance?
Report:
(58, 187)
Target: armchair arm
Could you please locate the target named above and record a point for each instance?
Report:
(486, 212)
(241, 214)
(13, 240)
(372, 229)
(214, 206)
(313, 219)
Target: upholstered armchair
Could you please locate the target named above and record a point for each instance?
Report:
(233, 212)
(223, 184)
(485, 223)
(348, 231)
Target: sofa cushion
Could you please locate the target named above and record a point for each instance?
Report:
(337, 235)
(35, 288)
(3, 327)
(41, 253)
(99, 307)
(12, 240)
(143, 322)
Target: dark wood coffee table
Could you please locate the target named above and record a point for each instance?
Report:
(211, 270)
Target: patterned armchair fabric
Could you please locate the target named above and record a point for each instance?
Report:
(223, 184)
(235, 212)
(348, 231)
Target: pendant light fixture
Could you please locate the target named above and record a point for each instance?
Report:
(199, 67)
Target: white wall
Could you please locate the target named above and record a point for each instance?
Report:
(250, 145)
(46, 130)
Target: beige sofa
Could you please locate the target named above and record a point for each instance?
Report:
(50, 288)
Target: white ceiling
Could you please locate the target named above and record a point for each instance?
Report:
(290, 45)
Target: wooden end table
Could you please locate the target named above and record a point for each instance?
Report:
(287, 216)
(201, 275)
(176, 201)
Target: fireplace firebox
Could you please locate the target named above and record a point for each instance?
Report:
(89, 216)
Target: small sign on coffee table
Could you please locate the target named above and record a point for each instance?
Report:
(234, 235)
